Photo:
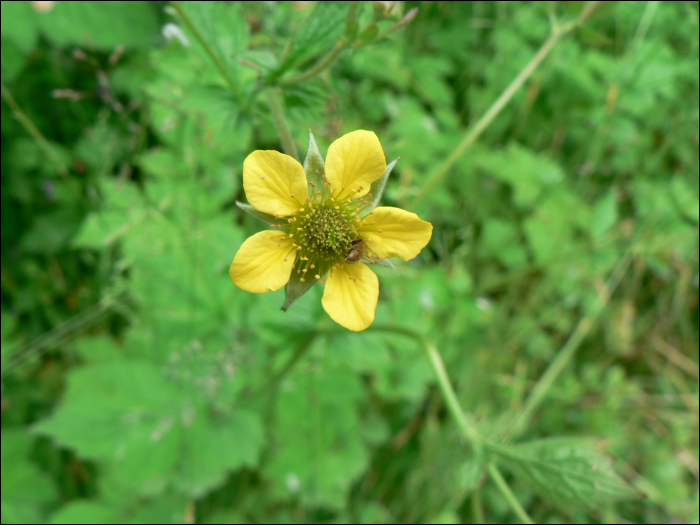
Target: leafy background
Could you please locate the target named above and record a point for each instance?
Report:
(140, 385)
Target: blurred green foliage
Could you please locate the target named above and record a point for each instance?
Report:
(140, 385)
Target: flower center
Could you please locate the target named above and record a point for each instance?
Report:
(327, 233)
(323, 229)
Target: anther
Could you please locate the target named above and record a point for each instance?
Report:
(317, 276)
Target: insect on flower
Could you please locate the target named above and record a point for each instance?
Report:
(356, 252)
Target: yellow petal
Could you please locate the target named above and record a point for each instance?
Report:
(274, 183)
(351, 295)
(395, 233)
(355, 161)
(263, 262)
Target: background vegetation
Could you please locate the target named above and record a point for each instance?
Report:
(140, 385)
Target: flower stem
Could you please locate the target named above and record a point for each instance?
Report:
(508, 494)
(33, 131)
(323, 64)
(464, 422)
(567, 352)
(219, 64)
(273, 97)
(436, 176)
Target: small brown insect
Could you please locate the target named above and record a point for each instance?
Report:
(357, 250)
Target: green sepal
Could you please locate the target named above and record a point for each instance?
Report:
(265, 217)
(314, 166)
(295, 288)
(387, 263)
(377, 187)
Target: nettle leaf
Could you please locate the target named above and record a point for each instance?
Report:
(318, 436)
(148, 433)
(320, 31)
(224, 28)
(569, 472)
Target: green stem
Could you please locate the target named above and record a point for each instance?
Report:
(436, 176)
(465, 424)
(323, 64)
(439, 173)
(567, 352)
(508, 494)
(33, 130)
(273, 97)
(219, 64)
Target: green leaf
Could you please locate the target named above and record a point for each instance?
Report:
(367, 36)
(25, 489)
(213, 446)
(320, 31)
(104, 25)
(318, 434)
(569, 472)
(86, 512)
(222, 26)
(314, 165)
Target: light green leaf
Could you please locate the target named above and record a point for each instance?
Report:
(322, 29)
(213, 446)
(105, 25)
(222, 26)
(25, 490)
(86, 512)
(318, 436)
(124, 411)
(569, 472)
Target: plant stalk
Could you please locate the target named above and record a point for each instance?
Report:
(508, 494)
(273, 97)
(436, 176)
(29, 126)
(219, 64)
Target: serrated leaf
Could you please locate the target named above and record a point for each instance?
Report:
(569, 472)
(213, 446)
(378, 186)
(318, 435)
(266, 218)
(314, 165)
(321, 30)
(223, 27)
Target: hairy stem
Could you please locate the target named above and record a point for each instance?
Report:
(219, 64)
(567, 352)
(436, 176)
(464, 422)
(273, 97)
(508, 494)
(33, 131)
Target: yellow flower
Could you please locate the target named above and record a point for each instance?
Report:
(320, 228)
